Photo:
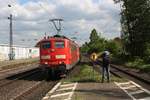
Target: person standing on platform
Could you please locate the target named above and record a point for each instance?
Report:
(105, 66)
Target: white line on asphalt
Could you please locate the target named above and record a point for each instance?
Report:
(147, 98)
(67, 85)
(125, 91)
(67, 82)
(136, 92)
(54, 88)
(63, 89)
(70, 96)
(147, 91)
(51, 91)
(67, 99)
(70, 86)
(45, 97)
(62, 94)
(123, 83)
(128, 87)
(141, 90)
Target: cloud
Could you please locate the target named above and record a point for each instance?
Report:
(31, 19)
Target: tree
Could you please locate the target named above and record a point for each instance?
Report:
(135, 22)
(96, 43)
(94, 36)
(113, 47)
(85, 48)
(99, 44)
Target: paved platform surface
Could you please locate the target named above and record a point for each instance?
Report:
(99, 91)
(128, 90)
(86, 91)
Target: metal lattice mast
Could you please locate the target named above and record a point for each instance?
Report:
(11, 57)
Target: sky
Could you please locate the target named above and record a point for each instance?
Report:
(31, 19)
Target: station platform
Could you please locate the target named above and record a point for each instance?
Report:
(127, 90)
(99, 91)
(86, 91)
(86, 85)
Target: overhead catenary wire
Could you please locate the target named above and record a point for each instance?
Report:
(43, 7)
(37, 21)
(46, 10)
(11, 2)
(59, 28)
(21, 19)
(40, 3)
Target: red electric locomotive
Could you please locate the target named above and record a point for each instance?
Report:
(58, 54)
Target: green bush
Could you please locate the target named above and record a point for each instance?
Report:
(99, 44)
(147, 54)
(113, 47)
(136, 63)
(145, 68)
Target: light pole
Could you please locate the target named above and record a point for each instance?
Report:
(11, 54)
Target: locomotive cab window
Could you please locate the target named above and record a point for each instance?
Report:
(59, 44)
(46, 45)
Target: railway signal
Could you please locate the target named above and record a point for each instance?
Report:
(93, 57)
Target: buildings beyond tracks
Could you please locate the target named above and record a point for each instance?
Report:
(19, 52)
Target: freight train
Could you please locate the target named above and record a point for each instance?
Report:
(58, 54)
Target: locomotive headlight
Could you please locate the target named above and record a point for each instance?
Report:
(46, 62)
(46, 57)
(60, 56)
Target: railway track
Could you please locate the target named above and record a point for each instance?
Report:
(131, 74)
(41, 87)
(136, 87)
(10, 72)
(133, 86)
(29, 94)
(14, 78)
(12, 86)
(30, 85)
(120, 72)
(123, 73)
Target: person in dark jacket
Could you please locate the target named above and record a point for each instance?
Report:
(105, 66)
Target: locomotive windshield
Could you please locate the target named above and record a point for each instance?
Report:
(46, 45)
(59, 44)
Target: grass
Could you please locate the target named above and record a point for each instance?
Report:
(137, 63)
(87, 74)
